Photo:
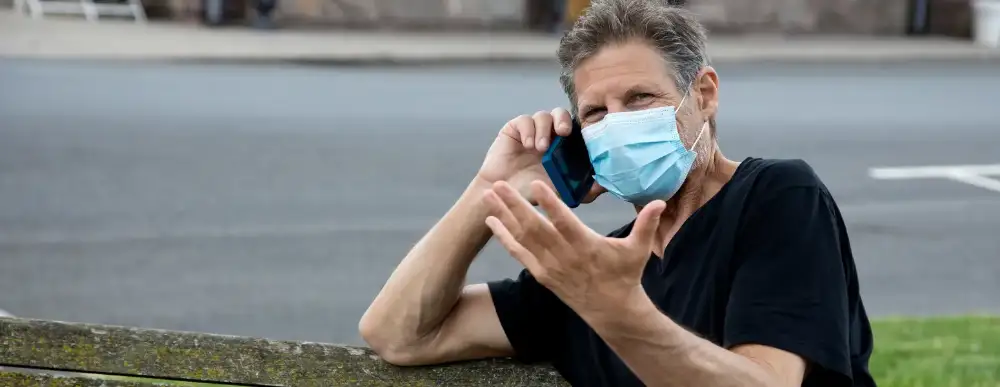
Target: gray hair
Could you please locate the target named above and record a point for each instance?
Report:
(671, 30)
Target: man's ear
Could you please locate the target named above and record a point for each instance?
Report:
(707, 84)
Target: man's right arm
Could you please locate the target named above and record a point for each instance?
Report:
(424, 313)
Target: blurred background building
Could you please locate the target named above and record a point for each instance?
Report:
(835, 17)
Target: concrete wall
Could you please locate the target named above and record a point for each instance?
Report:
(866, 17)
(405, 13)
(436, 14)
(869, 17)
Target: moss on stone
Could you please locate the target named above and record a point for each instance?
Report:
(231, 359)
(12, 378)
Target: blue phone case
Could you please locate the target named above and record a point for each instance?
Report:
(552, 168)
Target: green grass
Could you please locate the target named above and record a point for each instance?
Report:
(937, 352)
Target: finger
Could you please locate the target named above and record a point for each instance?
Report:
(596, 190)
(516, 250)
(645, 226)
(520, 207)
(570, 227)
(562, 121)
(543, 130)
(517, 128)
(527, 130)
(535, 229)
(498, 209)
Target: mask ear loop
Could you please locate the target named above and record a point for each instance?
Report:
(700, 132)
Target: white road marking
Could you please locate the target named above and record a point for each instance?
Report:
(931, 171)
(974, 175)
(976, 180)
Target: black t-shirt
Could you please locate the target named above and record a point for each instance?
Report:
(765, 261)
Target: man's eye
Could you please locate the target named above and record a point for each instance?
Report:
(642, 96)
(592, 115)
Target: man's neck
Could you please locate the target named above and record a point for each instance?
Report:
(701, 185)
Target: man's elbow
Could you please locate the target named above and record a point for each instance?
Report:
(388, 345)
(398, 355)
(379, 338)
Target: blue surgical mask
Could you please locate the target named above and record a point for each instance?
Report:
(639, 156)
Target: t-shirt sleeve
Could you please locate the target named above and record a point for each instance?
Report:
(790, 287)
(531, 315)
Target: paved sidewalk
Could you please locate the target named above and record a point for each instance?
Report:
(71, 38)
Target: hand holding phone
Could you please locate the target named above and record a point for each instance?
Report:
(568, 165)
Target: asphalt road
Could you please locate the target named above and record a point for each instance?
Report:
(274, 201)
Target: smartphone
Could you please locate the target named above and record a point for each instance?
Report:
(568, 166)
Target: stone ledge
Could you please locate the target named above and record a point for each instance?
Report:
(47, 379)
(188, 356)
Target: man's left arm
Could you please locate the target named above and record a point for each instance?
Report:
(662, 353)
(787, 311)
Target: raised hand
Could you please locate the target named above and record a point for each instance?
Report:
(516, 153)
(584, 268)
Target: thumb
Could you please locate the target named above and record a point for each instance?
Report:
(646, 223)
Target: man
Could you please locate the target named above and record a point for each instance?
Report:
(732, 274)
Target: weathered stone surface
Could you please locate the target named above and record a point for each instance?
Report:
(870, 17)
(16, 379)
(231, 359)
(10, 375)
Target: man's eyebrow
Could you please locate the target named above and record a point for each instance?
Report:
(642, 88)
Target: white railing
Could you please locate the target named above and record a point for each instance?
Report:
(90, 10)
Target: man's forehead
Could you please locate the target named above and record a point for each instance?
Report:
(623, 67)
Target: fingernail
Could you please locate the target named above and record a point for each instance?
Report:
(543, 143)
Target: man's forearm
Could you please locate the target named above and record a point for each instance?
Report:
(662, 353)
(427, 283)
